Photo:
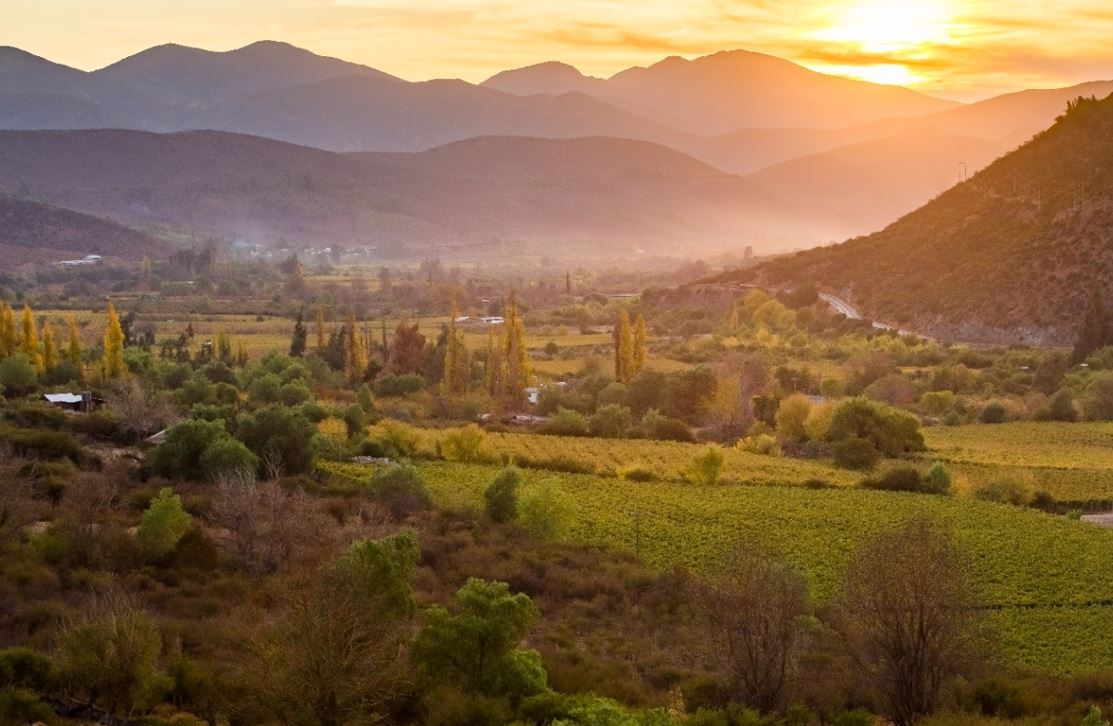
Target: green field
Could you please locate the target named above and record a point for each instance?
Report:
(1071, 461)
(1046, 581)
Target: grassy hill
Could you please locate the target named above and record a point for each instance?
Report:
(1008, 256)
(34, 232)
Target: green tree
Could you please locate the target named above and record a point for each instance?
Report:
(707, 468)
(610, 421)
(892, 432)
(282, 434)
(299, 337)
(457, 362)
(792, 417)
(477, 645)
(501, 495)
(546, 512)
(111, 658)
(1094, 330)
(18, 375)
(198, 450)
(163, 524)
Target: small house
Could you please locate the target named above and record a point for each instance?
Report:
(83, 402)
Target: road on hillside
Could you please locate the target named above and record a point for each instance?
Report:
(842, 306)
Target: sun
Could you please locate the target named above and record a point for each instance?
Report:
(887, 26)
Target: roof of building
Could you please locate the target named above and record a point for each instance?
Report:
(63, 397)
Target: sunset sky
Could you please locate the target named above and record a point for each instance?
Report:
(963, 49)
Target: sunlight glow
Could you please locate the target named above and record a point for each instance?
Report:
(886, 26)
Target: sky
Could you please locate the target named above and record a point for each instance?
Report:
(962, 49)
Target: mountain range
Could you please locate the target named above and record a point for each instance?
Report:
(799, 158)
(1009, 256)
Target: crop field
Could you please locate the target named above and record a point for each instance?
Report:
(1071, 461)
(1046, 580)
(665, 459)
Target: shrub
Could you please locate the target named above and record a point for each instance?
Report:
(18, 375)
(636, 472)
(900, 479)
(281, 434)
(890, 431)
(546, 512)
(819, 421)
(610, 421)
(464, 444)
(404, 385)
(994, 413)
(401, 489)
(400, 440)
(1003, 491)
(501, 495)
(707, 468)
(792, 416)
(566, 422)
(162, 525)
(24, 668)
(938, 479)
(760, 444)
(663, 428)
(227, 454)
(937, 403)
(42, 444)
(197, 450)
(855, 453)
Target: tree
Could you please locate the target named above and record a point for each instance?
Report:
(277, 431)
(356, 353)
(727, 410)
(464, 444)
(610, 421)
(494, 369)
(298, 339)
(199, 450)
(457, 365)
(322, 338)
(163, 524)
(792, 417)
(114, 365)
(623, 348)
(9, 336)
(753, 606)
(50, 348)
(401, 490)
(29, 340)
(641, 352)
(334, 655)
(18, 376)
(908, 616)
(110, 656)
(477, 647)
(406, 351)
(1094, 331)
(501, 495)
(515, 354)
(891, 432)
(73, 344)
(222, 346)
(335, 432)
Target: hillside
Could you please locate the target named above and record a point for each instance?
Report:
(1009, 256)
(615, 194)
(34, 232)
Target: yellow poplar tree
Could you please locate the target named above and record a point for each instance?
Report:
(457, 367)
(241, 354)
(114, 365)
(623, 348)
(29, 341)
(492, 372)
(50, 348)
(356, 354)
(641, 351)
(73, 347)
(223, 346)
(9, 339)
(514, 347)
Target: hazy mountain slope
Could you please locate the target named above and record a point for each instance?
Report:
(370, 114)
(1011, 255)
(191, 77)
(617, 194)
(552, 78)
(34, 232)
(856, 189)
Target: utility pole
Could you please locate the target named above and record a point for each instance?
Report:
(962, 173)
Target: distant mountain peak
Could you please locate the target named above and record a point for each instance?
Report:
(549, 77)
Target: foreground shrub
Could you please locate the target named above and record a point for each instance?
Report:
(546, 512)
(199, 450)
(501, 495)
(401, 489)
(162, 525)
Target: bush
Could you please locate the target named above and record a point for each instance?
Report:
(706, 469)
(401, 489)
(282, 434)
(501, 495)
(635, 472)
(610, 421)
(792, 416)
(464, 444)
(18, 375)
(663, 428)
(760, 444)
(891, 432)
(42, 444)
(163, 525)
(198, 450)
(399, 440)
(1003, 491)
(24, 668)
(403, 385)
(566, 422)
(994, 413)
(855, 453)
(546, 512)
(938, 479)
(900, 479)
